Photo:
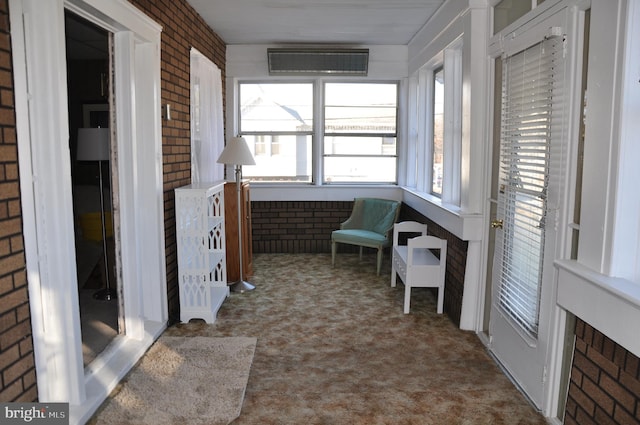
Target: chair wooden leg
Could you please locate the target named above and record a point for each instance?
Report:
(360, 253)
(379, 266)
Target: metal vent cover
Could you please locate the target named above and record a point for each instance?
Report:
(293, 61)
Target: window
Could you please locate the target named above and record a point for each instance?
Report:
(437, 151)
(434, 121)
(357, 134)
(508, 11)
(530, 85)
(360, 121)
(276, 120)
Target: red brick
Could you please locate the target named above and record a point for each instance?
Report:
(620, 356)
(9, 357)
(632, 365)
(582, 400)
(588, 334)
(10, 227)
(608, 349)
(622, 396)
(623, 417)
(26, 347)
(11, 392)
(586, 366)
(18, 369)
(602, 418)
(602, 362)
(598, 341)
(583, 418)
(631, 384)
(6, 284)
(15, 335)
(7, 321)
(30, 395)
(15, 209)
(601, 398)
(11, 263)
(29, 379)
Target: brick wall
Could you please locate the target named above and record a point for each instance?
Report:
(605, 381)
(305, 227)
(182, 28)
(17, 364)
(456, 262)
(297, 226)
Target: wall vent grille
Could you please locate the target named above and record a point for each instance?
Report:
(318, 61)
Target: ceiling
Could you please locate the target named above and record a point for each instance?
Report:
(373, 22)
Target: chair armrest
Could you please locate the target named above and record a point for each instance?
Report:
(348, 224)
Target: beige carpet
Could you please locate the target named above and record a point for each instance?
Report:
(183, 380)
(334, 348)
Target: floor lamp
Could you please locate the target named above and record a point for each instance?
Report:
(93, 145)
(237, 153)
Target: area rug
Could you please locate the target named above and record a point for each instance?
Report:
(183, 380)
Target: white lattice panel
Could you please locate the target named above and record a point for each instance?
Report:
(200, 235)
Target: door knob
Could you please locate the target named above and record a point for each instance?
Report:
(496, 224)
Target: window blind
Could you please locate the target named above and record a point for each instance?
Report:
(528, 86)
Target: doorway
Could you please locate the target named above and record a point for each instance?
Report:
(88, 71)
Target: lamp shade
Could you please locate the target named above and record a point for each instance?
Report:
(93, 144)
(236, 152)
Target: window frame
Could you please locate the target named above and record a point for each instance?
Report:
(312, 133)
(421, 122)
(317, 134)
(324, 133)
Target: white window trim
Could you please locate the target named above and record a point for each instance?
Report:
(602, 286)
(421, 118)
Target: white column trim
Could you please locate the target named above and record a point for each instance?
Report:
(46, 194)
(39, 61)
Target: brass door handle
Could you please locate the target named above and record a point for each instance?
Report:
(497, 224)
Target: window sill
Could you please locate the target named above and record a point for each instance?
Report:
(607, 303)
(309, 192)
(466, 226)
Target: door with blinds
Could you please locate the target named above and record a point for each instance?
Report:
(526, 207)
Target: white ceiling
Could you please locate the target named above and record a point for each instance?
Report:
(375, 22)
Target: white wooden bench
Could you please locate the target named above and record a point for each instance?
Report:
(415, 262)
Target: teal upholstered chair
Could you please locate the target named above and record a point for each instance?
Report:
(370, 224)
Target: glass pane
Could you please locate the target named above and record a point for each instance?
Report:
(348, 169)
(353, 145)
(279, 158)
(507, 12)
(360, 108)
(276, 107)
(438, 131)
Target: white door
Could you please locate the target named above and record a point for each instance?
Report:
(522, 277)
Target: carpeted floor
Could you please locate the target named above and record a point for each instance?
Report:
(335, 348)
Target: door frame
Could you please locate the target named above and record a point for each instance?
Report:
(39, 64)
